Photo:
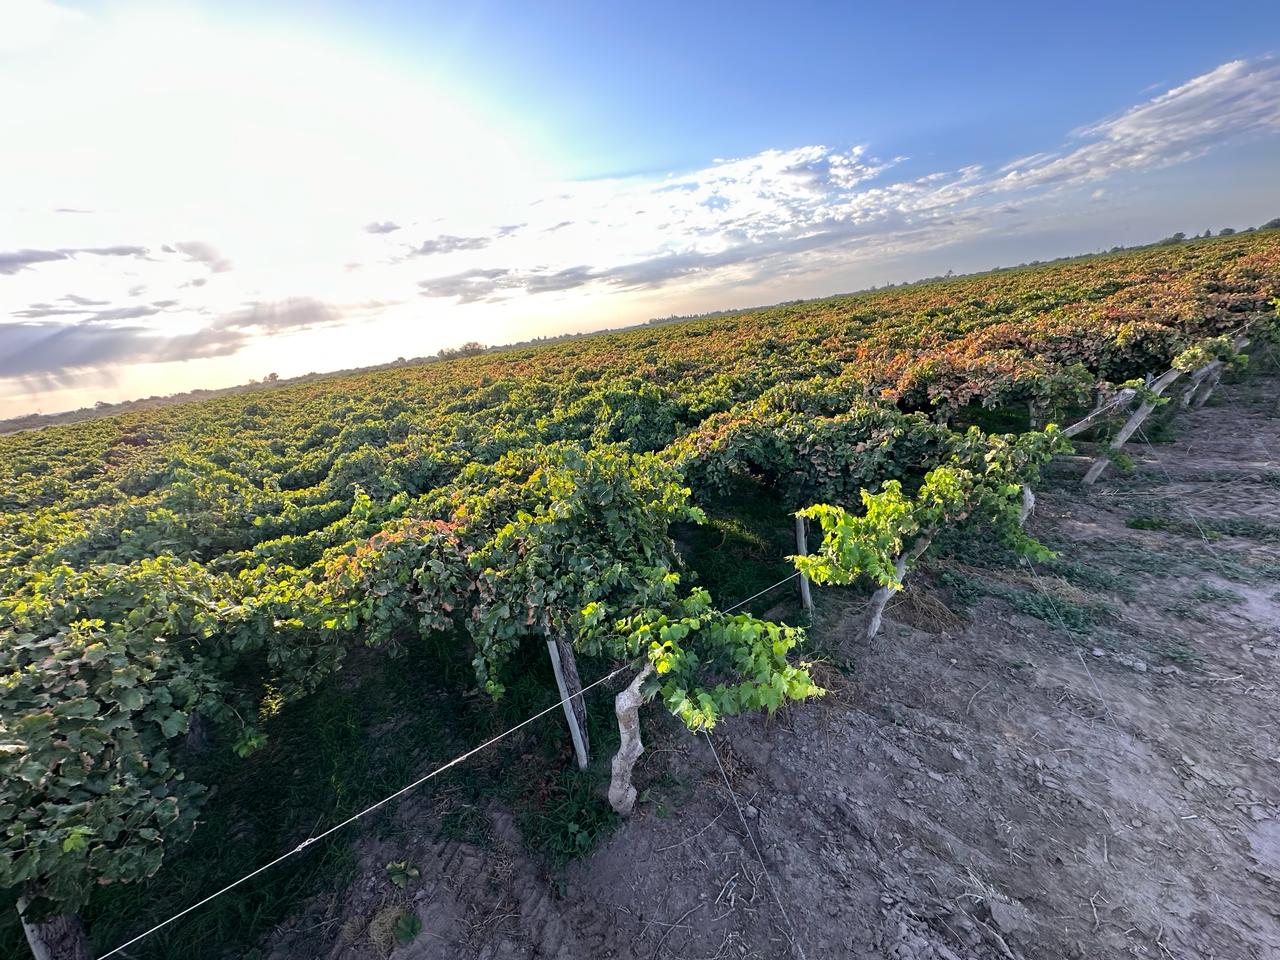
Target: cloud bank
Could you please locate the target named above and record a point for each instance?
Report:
(16, 260)
(782, 212)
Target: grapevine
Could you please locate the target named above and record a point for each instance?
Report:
(218, 560)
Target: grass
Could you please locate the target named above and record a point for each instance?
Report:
(965, 590)
(1042, 603)
(1230, 565)
(989, 554)
(568, 819)
(1145, 521)
(1208, 593)
(1176, 651)
(1055, 611)
(1162, 430)
(1163, 514)
(1208, 528)
(1194, 605)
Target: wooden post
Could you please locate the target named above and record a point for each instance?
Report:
(60, 937)
(1197, 379)
(1120, 400)
(576, 732)
(1132, 424)
(1210, 384)
(802, 548)
(1213, 373)
(1203, 382)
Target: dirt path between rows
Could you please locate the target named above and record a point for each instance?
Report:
(1080, 764)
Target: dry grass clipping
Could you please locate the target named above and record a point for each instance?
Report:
(382, 927)
(838, 686)
(921, 608)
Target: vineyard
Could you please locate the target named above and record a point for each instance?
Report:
(176, 583)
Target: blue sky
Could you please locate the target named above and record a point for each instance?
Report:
(205, 193)
(660, 86)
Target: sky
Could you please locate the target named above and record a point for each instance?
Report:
(200, 194)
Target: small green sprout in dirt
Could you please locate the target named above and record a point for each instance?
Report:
(407, 927)
(400, 873)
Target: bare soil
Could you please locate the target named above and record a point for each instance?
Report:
(1083, 763)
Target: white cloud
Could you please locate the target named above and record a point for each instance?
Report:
(26, 24)
(1237, 98)
(276, 186)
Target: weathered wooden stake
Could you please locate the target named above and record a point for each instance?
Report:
(1206, 379)
(60, 937)
(1210, 384)
(566, 671)
(622, 793)
(1132, 424)
(1120, 400)
(802, 548)
(1197, 379)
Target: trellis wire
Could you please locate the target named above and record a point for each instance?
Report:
(561, 703)
(363, 813)
(755, 596)
(402, 791)
(786, 916)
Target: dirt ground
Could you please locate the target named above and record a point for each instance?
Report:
(1080, 762)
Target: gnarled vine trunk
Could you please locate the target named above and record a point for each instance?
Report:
(879, 599)
(58, 937)
(1028, 505)
(622, 794)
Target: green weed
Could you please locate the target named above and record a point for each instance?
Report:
(1193, 605)
(1042, 604)
(1150, 522)
(568, 820)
